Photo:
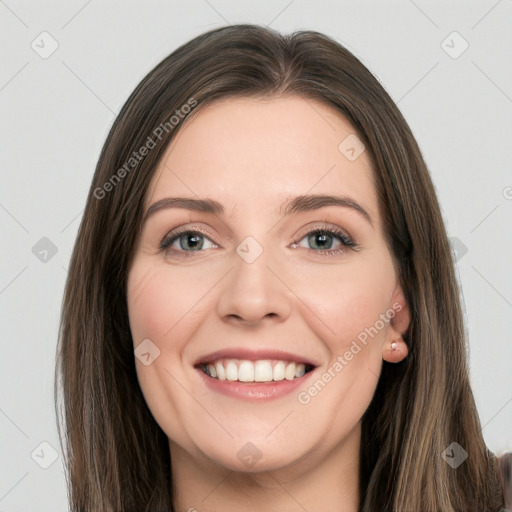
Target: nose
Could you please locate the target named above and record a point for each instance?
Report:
(255, 292)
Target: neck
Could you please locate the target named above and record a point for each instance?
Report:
(329, 483)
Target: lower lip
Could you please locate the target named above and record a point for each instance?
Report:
(254, 390)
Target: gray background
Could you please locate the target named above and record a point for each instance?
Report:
(55, 113)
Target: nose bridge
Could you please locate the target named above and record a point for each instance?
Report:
(252, 291)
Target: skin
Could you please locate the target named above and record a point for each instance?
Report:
(251, 155)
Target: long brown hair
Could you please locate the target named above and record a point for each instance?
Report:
(117, 457)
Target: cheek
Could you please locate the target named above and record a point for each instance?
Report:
(348, 301)
(161, 309)
(147, 300)
(160, 304)
(357, 313)
(349, 309)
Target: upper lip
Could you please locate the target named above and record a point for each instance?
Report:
(248, 354)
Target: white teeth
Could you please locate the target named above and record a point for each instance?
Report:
(246, 371)
(300, 371)
(279, 371)
(289, 373)
(263, 371)
(254, 371)
(221, 373)
(231, 371)
(212, 370)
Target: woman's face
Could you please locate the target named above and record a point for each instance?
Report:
(232, 300)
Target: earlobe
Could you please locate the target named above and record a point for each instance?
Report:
(395, 351)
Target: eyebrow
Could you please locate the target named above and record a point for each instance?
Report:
(298, 204)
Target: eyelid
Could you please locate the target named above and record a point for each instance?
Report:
(322, 226)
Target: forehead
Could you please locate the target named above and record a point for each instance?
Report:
(255, 152)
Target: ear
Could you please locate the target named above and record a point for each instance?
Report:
(395, 348)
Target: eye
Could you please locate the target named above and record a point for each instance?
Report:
(186, 241)
(326, 241)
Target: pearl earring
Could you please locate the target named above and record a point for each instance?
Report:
(394, 346)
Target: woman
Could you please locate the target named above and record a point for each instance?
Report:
(261, 311)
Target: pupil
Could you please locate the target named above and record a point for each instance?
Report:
(322, 239)
(192, 242)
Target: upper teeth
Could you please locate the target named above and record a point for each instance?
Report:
(254, 371)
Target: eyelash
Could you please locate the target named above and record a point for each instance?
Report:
(346, 241)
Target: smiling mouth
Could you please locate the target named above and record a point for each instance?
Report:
(265, 370)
